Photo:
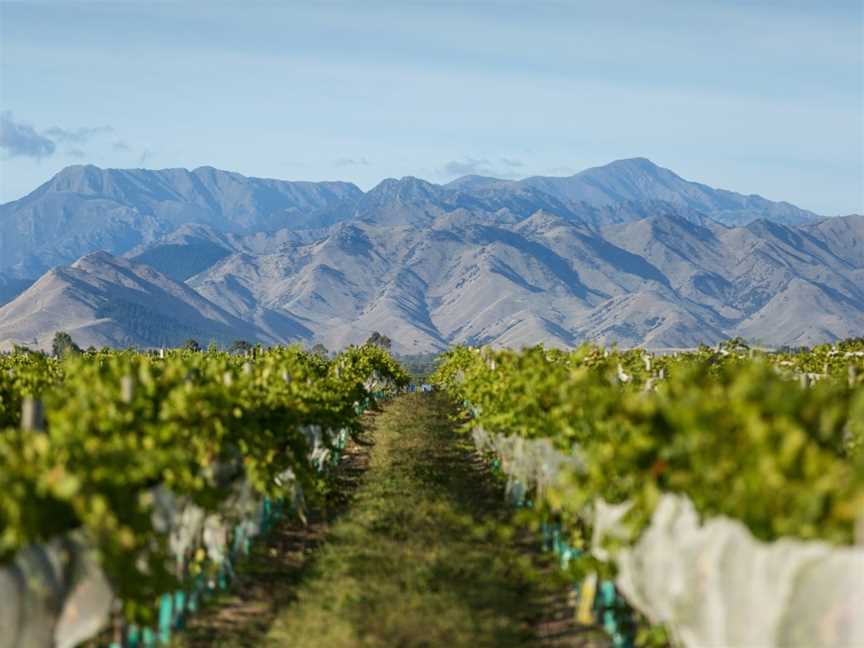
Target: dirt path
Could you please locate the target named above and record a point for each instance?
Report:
(423, 556)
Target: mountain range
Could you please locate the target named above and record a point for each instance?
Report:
(627, 253)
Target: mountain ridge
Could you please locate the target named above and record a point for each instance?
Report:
(103, 300)
(85, 208)
(476, 260)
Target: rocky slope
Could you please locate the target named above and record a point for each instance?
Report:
(629, 253)
(85, 208)
(102, 300)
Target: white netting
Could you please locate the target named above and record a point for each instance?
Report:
(88, 601)
(33, 589)
(711, 584)
(52, 594)
(606, 524)
(55, 595)
(528, 463)
(190, 527)
(714, 584)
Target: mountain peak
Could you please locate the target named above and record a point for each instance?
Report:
(76, 169)
(85, 207)
(472, 181)
(407, 187)
(100, 256)
(635, 162)
(213, 172)
(99, 261)
(79, 178)
(628, 166)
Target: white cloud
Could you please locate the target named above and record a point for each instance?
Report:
(78, 135)
(21, 139)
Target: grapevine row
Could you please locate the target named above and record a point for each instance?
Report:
(131, 441)
(772, 441)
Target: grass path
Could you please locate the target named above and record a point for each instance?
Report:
(422, 557)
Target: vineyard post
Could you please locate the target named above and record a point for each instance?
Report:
(32, 415)
(859, 530)
(117, 624)
(127, 388)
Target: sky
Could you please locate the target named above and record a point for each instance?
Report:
(758, 97)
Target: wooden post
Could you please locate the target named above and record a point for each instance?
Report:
(127, 388)
(117, 623)
(587, 592)
(32, 415)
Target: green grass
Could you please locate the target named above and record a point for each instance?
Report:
(422, 557)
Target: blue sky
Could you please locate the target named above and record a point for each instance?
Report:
(758, 97)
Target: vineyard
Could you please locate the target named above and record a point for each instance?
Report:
(134, 480)
(707, 498)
